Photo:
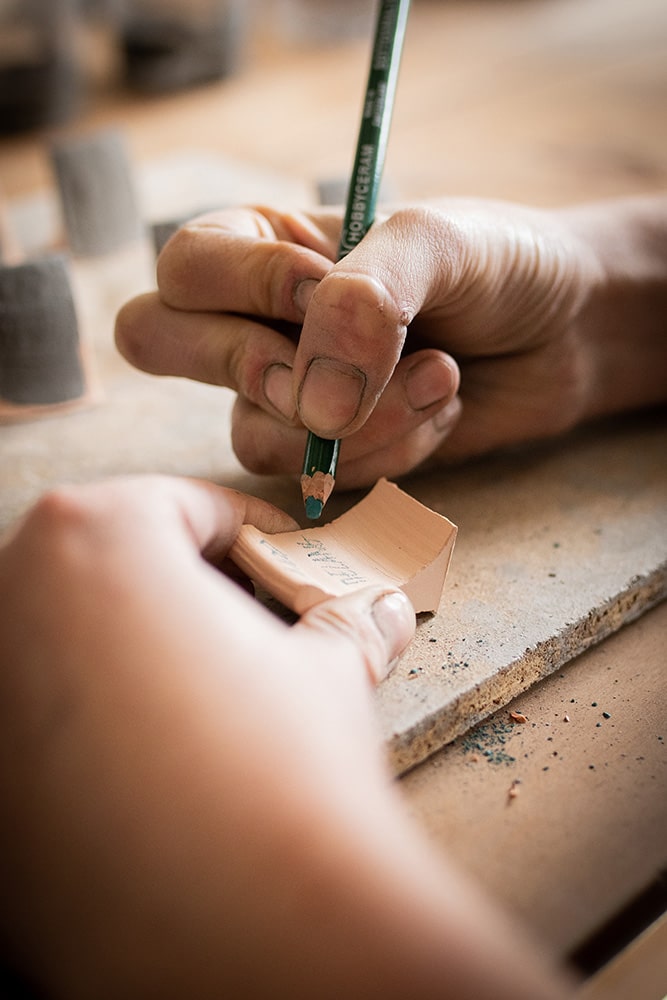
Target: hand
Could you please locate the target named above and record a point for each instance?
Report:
(545, 318)
(199, 803)
(494, 286)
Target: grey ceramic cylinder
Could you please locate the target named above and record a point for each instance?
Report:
(173, 44)
(40, 361)
(97, 193)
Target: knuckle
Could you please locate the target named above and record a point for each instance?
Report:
(439, 235)
(363, 646)
(246, 359)
(275, 269)
(60, 508)
(57, 519)
(175, 265)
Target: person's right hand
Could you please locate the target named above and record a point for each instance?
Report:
(494, 296)
(199, 796)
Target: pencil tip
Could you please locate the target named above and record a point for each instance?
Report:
(314, 508)
(316, 490)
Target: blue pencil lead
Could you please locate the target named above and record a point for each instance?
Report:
(314, 508)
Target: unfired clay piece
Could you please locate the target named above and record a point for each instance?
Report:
(387, 538)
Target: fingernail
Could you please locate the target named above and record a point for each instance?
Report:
(330, 396)
(303, 293)
(427, 382)
(277, 387)
(395, 618)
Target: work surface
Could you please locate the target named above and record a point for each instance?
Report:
(558, 545)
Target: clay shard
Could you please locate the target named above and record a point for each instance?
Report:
(387, 538)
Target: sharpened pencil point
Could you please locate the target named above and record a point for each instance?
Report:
(316, 490)
(314, 508)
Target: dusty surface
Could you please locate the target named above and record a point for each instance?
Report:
(587, 827)
(557, 548)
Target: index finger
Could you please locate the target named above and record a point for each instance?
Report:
(250, 261)
(214, 514)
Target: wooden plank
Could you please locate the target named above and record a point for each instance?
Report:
(585, 835)
(557, 548)
(639, 971)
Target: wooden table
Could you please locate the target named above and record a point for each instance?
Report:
(540, 101)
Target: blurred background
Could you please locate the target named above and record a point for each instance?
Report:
(500, 73)
(540, 101)
(56, 55)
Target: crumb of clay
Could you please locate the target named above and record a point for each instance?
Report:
(518, 717)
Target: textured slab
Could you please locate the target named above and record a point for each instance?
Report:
(557, 548)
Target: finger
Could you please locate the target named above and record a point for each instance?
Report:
(226, 350)
(423, 383)
(513, 399)
(264, 445)
(213, 515)
(412, 419)
(246, 261)
(364, 630)
(267, 448)
(402, 455)
(150, 508)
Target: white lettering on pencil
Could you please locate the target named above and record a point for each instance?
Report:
(358, 219)
(383, 55)
(380, 101)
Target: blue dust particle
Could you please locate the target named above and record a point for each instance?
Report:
(314, 508)
(489, 739)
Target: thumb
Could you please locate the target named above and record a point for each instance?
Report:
(366, 630)
(356, 321)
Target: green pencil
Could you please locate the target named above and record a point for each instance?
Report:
(321, 457)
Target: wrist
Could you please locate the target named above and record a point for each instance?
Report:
(622, 325)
